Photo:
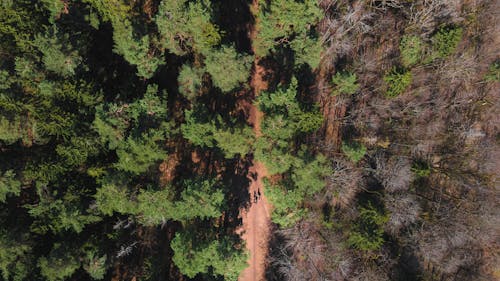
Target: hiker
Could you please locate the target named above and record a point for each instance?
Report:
(255, 197)
(258, 193)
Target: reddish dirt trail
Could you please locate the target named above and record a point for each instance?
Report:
(256, 219)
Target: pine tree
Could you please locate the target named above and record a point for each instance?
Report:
(9, 185)
(15, 255)
(196, 255)
(227, 68)
(61, 263)
(58, 54)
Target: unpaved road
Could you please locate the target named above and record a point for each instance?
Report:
(256, 219)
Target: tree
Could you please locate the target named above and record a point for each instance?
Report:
(15, 255)
(61, 263)
(282, 21)
(136, 156)
(345, 83)
(397, 82)
(199, 199)
(114, 196)
(411, 48)
(228, 68)
(95, 265)
(198, 132)
(185, 25)
(190, 81)
(9, 185)
(354, 151)
(59, 55)
(60, 214)
(307, 177)
(136, 49)
(368, 233)
(445, 41)
(234, 142)
(195, 255)
(284, 120)
(55, 7)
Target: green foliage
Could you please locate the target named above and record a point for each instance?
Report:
(9, 130)
(397, 82)
(15, 259)
(227, 67)
(411, 48)
(186, 24)
(308, 174)
(284, 116)
(60, 264)
(18, 24)
(9, 185)
(114, 197)
(198, 256)
(60, 214)
(198, 132)
(136, 156)
(445, 41)
(58, 54)
(354, 151)
(77, 151)
(307, 50)
(199, 199)
(284, 120)
(134, 130)
(368, 231)
(493, 74)
(190, 81)
(345, 83)
(283, 21)
(234, 142)
(421, 169)
(55, 8)
(95, 265)
(136, 49)
(307, 178)
(277, 159)
(286, 205)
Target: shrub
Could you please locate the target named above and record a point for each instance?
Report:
(493, 74)
(445, 41)
(411, 48)
(368, 233)
(421, 169)
(345, 83)
(397, 82)
(354, 151)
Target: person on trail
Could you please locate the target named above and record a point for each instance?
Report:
(258, 193)
(255, 197)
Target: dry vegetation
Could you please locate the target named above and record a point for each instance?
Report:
(433, 155)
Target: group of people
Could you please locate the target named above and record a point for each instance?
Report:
(256, 195)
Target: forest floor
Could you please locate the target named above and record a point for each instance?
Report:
(256, 219)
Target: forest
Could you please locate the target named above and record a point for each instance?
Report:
(136, 138)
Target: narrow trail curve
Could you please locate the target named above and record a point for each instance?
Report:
(256, 219)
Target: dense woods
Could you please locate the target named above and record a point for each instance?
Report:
(125, 141)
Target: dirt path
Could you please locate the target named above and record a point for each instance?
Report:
(256, 219)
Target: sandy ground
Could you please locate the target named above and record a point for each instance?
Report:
(256, 219)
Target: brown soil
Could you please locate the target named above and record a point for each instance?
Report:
(256, 219)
